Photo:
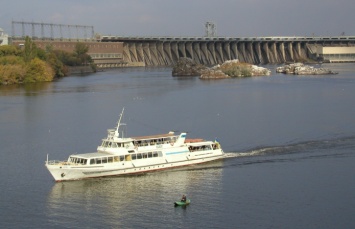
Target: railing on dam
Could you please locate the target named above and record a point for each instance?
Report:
(278, 38)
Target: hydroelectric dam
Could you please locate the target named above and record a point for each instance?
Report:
(123, 51)
(165, 51)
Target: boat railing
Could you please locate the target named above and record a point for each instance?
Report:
(57, 162)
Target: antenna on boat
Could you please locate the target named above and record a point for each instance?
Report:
(118, 124)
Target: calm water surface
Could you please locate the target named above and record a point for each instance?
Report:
(289, 140)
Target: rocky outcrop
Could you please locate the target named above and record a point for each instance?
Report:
(301, 69)
(187, 67)
(234, 69)
(213, 73)
(229, 69)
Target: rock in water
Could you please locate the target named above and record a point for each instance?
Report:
(301, 69)
(187, 67)
(234, 69)
(213, 73)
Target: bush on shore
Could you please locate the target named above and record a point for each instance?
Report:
(32, 64)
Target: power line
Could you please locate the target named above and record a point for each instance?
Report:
(40, 30)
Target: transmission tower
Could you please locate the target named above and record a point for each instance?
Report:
(210, 29)
(40, 30)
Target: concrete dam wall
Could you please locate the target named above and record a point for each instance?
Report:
(160, 53)
(165, 51)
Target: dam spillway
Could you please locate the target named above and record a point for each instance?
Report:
(165, 51)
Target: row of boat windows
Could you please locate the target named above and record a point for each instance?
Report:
(204, 147)
(108, 144)
(137, 156)
(100, 160)
(158, 141)
(104, 160)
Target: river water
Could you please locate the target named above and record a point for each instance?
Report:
(289, 141)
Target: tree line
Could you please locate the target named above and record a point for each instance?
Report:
(29, 63)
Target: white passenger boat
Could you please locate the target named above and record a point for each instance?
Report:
(118, 155)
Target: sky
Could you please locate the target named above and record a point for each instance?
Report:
(233, 18)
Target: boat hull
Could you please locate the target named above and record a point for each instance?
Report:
(66, 172)
(182, 203)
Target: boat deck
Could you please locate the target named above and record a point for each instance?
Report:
(153, 136)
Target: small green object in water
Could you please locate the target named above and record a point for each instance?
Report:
(182, 203)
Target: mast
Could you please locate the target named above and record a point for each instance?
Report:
(118, 124)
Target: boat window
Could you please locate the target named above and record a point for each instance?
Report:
(92, 161)
(139, 156)
(115, 158)
(104, 160)
(98, 160)
(150, 154)
(145, 155)
(114, 145)
(128, 157)
(121, 158)
(110, 159)
(134, 156)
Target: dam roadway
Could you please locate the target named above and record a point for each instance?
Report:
(165, 51)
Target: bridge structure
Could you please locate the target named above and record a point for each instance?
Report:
(165, 51)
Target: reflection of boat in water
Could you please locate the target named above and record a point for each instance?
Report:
(121, 197)
(119, 155)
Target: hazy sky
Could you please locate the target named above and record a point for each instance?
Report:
(234, 18)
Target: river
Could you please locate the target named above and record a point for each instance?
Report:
(289, 143)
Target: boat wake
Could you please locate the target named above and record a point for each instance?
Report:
(307, 146)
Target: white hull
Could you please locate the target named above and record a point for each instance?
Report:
(65, 171)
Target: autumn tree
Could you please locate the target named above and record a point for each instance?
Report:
(80, 51)
(30, 50)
